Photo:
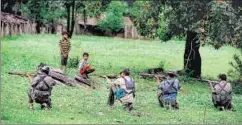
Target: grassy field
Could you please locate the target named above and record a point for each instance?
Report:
(109, 56)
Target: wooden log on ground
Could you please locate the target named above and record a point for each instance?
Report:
(80, 79)
(59, 76)
(62, 78)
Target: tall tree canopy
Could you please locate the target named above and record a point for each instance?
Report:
(207, 21)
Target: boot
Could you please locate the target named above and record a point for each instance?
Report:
(128, 107)
(221, 108)
(44, 106)
(31, 106)
(111, 97)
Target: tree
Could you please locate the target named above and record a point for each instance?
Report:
(42, 12)
(205, 20)
(146, 17)
(187, 17)
(113, 22)
(70, 8)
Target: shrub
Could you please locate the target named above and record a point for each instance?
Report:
(73, 62)
(113, 22)
(236, 73)
(162, 64)
(162, 31)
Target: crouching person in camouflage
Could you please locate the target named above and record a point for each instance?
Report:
(123, 89)
(222, 93)
(40, 90)
(168, 90)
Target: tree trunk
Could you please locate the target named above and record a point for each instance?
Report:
(192, 58)
(53, 30)
(72, 18)
(85, 19)
(68, 16)
(38, 26)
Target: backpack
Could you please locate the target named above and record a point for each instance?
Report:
(222, 96)
(129, 84)
(42, 85)
(168, 89)
(120, 93)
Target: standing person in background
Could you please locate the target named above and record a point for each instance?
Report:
(65, 47)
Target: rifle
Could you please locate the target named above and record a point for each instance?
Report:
(110, 76)
(29, 75)
(211, 84)
(147, 75)
(165, 77)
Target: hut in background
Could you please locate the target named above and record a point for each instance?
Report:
(90, 27)
(16, 25)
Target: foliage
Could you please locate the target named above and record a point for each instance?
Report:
(73, 62)
(92, 8)
(113, 22)
(186, 15)
(146, 16)
(236, 71)
(162, 31)
(222, 22)
(42, 11)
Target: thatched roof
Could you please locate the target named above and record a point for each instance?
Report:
(11, 18)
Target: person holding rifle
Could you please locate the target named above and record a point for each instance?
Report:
(221, 93)
(168, 90)
(122, 89)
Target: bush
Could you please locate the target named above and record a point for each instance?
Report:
(162, 64)
(73, 62)
(236, 73)
(113, 22)
(162, 31)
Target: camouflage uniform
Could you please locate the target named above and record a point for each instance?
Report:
(222, 95)
(40, 90)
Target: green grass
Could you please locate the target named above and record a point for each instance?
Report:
(109, 56)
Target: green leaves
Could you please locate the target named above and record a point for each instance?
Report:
(43, 11)
(113, 22)
(146, 16)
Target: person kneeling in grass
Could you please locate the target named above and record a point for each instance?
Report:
(168, 90)
(85, 67)
(222, 93)
(123, 89)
